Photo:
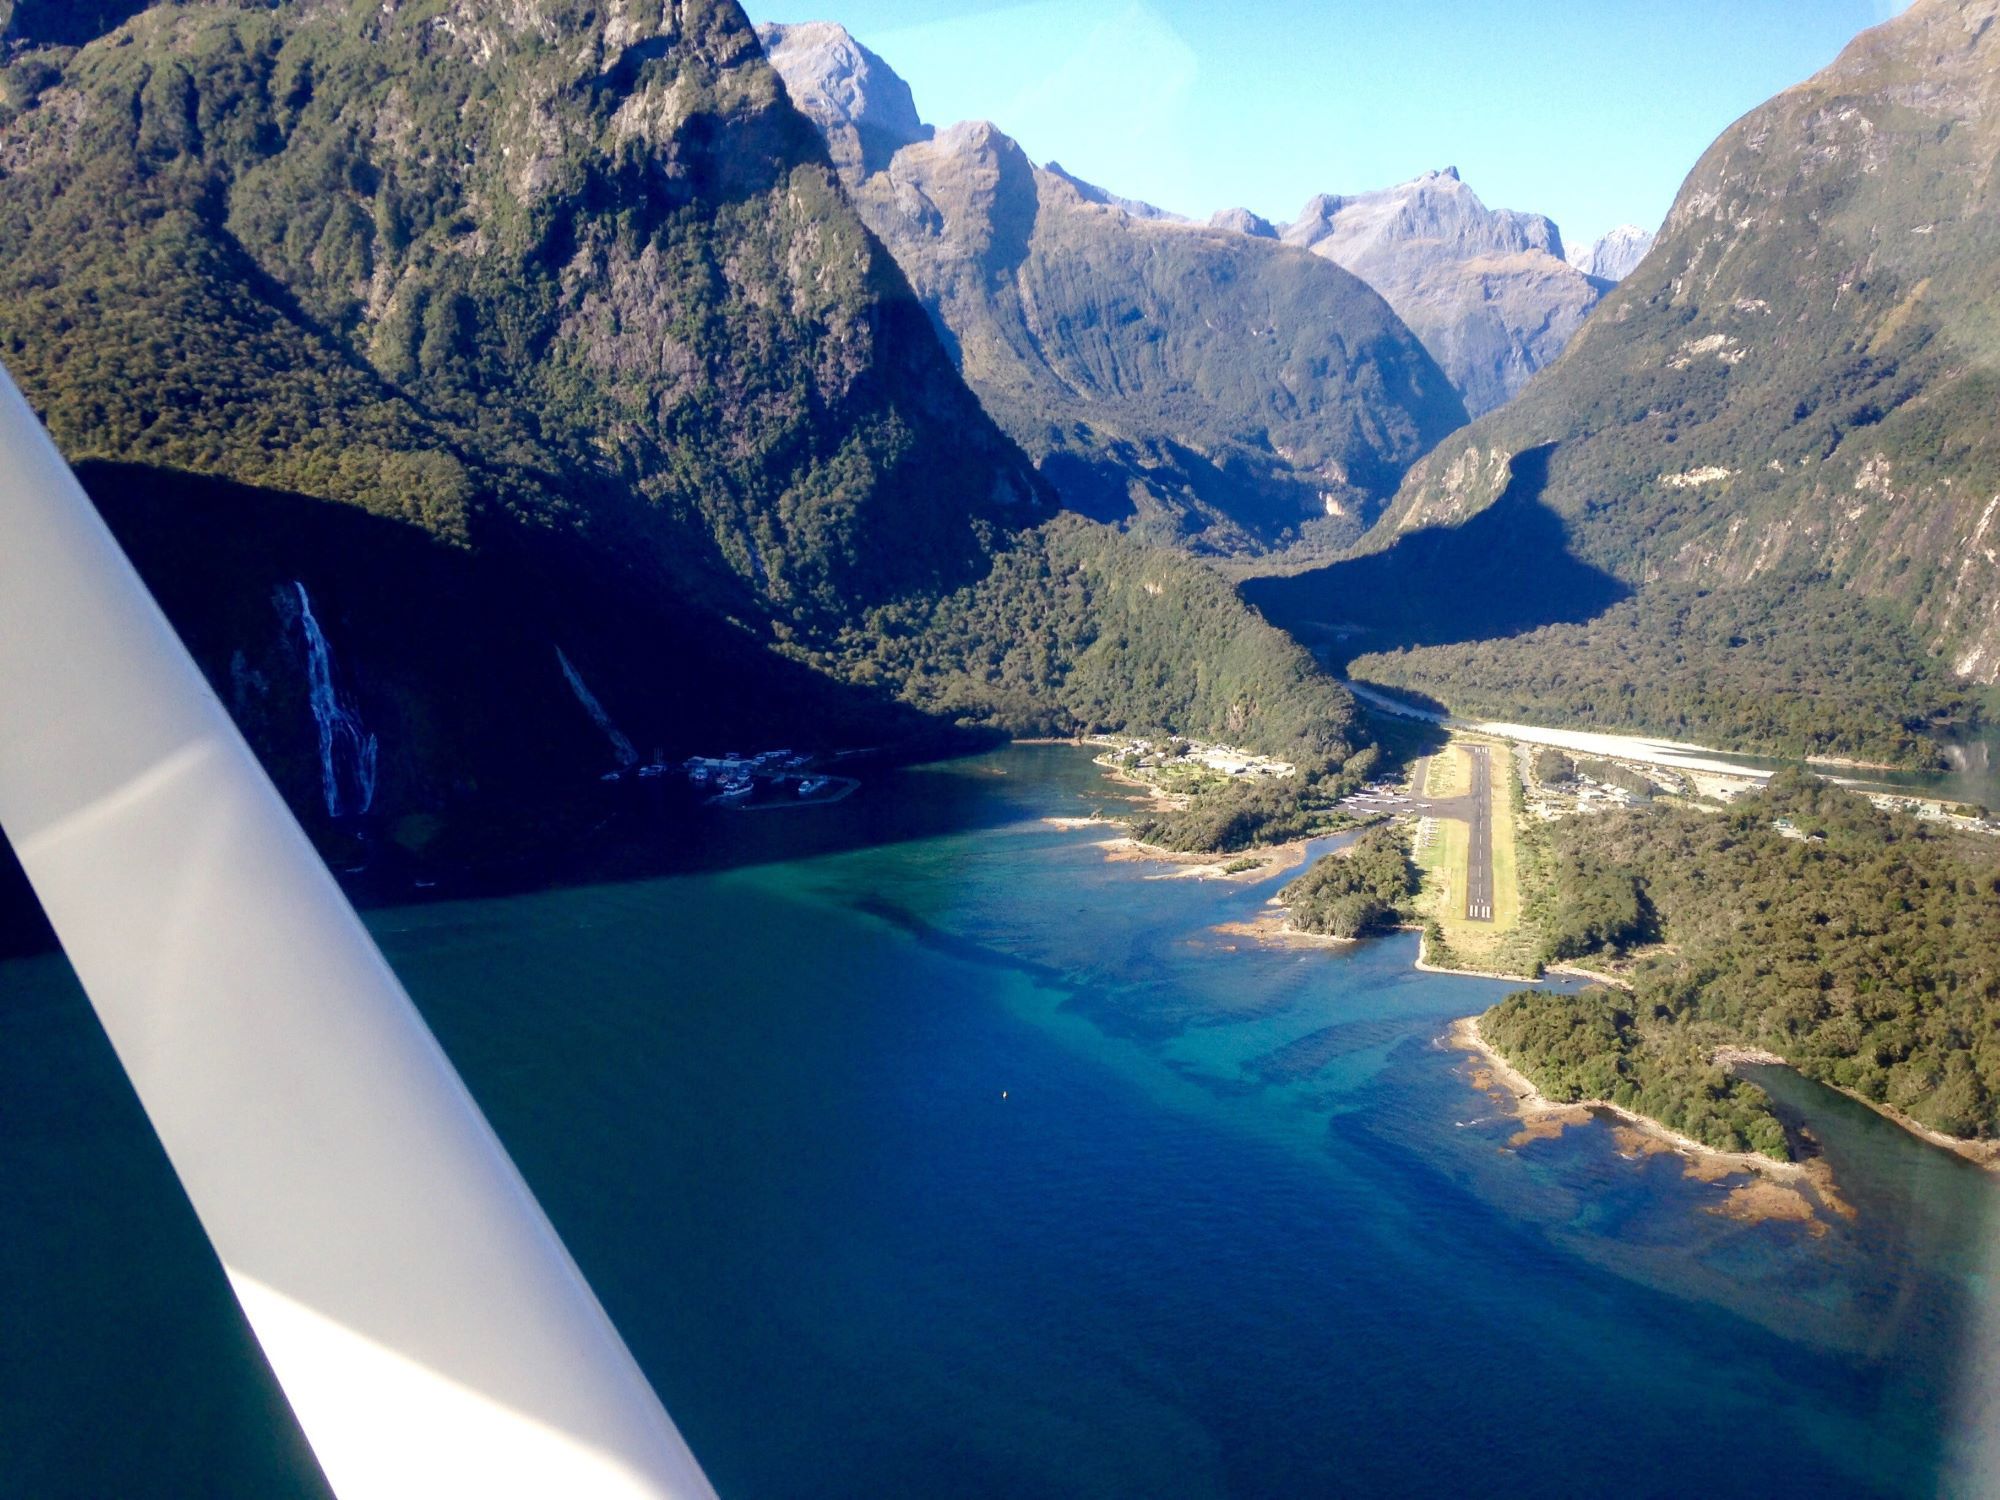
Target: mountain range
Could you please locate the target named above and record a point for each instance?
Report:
(1193, 380)
(1474, 283)
(1488, 290)
(1791, 396)
(1228, 392)
(551, 371)
(1612, 256)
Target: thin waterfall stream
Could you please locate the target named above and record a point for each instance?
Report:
(343, 739)
(621, 747)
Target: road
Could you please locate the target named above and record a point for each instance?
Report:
(1479, 850)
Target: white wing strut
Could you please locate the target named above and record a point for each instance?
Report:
(428, 1327)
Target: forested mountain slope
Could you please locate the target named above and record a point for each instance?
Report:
(1860, 945)
(540, 345)
(1200, 384)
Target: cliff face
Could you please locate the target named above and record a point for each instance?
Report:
(864, 110)
(1224, 390)
(1487, 290)
(548, 321)
(558, 255)
(1801, 377)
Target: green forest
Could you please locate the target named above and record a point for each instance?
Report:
(1080, 629)
(1601, 1045)
(1355, 891)
(1861, 945)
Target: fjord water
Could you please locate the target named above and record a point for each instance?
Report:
(920, 1150)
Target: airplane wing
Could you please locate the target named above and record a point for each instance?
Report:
(426, 1323)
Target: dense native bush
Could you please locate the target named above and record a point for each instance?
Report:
(1357, 890)
(1861, 945)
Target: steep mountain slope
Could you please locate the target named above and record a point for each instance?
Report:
(1614, 255)
(1487, 290)
(1199, 383)
(530, 356)
(1800, 380)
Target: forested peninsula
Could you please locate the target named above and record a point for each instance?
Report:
(1860, 945)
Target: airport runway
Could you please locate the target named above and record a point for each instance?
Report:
(1479, 852)
(1473, 807)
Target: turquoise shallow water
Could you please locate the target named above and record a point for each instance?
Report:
(954, 1160)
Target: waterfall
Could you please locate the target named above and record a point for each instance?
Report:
(620, 746)
(341, 736)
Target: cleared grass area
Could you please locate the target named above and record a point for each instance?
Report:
(1182, 779)
(1451, 773)
(1506, 864)
(1443, 862)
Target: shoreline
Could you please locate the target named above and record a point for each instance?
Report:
(1982, 1154)
(1274, 928)
(1595, 976)
(1848, 763)
(1272, 860)
(1535, 1107)
(1423, 964)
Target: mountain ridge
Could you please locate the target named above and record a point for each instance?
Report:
(1791, 394)
(1852, 210)
(1487, 290)
(1225, 392)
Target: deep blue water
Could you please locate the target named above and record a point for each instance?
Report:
(954, 1160)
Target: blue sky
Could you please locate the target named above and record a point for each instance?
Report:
(1590, 111)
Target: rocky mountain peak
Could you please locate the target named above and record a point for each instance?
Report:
(863, 108)
(1195, 381)
(1436, 211)
(1801, 381)
(1242, 221)
(1488, 290)
(1612, 256)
